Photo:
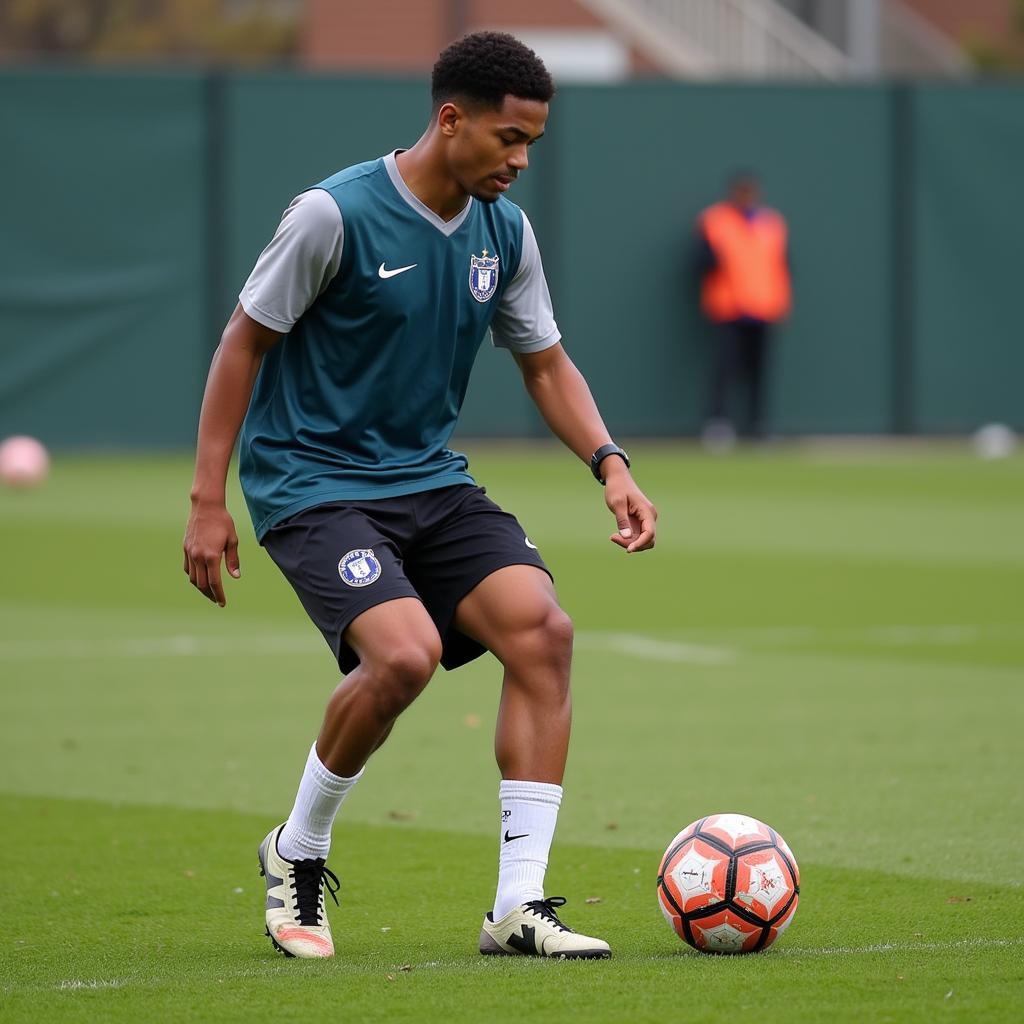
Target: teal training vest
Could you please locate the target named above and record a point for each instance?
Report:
(358, 400)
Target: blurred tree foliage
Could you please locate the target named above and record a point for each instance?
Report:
(240, 30)
(1004, 55)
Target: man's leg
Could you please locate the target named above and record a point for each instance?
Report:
(722, 370)
(758, 341)
(515, 614)
(718, 433)
(398, 649)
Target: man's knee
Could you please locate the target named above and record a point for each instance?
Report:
(399, 674)
(545, 639)
(557, 631)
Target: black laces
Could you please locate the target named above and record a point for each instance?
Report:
(546, 910)
(311, 878)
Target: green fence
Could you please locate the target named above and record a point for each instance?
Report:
(134, 205)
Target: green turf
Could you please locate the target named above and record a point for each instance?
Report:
(829, 639)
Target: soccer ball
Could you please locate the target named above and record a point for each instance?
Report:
(994, 441)
(728, 884)
(24, 462)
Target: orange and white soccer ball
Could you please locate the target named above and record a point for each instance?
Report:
(728, 884)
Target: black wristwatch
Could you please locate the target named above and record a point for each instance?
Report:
(601, 454)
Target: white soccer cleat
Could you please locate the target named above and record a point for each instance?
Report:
(533, 929)
(296, 919)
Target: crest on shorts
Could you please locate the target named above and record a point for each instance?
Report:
(359, 568)
(483, 276)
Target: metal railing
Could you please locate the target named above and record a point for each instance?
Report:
(716, 38)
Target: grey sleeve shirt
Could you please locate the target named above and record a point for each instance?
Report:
(298, 264)
(524, 321)
(305, 254)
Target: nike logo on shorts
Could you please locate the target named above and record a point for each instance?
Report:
(529, 545)
(385, 274)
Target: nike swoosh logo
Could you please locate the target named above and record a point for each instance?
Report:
(385, 274)
(529, 545)
(508, 838)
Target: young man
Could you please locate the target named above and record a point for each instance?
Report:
(351, 349)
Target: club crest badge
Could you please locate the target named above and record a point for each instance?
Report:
(483, 276)
(359, 568)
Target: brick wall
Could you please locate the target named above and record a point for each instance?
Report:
(957, 18)
(406, 35)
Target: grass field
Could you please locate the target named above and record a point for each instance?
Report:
(830, 639)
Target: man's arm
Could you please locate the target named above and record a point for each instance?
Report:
(210, 534)
(704, 257)
(564, 400)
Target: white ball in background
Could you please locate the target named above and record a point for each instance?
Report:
(24, 462)
(994, 441)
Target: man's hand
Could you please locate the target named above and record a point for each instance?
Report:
(635, 516)
(564, 400)
(210, 536)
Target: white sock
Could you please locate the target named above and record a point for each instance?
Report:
(307, 833)
(529, 811)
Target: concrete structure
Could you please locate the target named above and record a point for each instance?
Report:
(611, 40)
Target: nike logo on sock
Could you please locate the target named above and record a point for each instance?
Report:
(508, 838)
(385, 274)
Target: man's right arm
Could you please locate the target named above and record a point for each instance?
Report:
(210, 534)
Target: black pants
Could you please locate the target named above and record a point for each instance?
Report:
(739, 364)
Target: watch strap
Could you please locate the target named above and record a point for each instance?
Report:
(601, 454)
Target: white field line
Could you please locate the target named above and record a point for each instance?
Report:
(77, 984)
(186, 646)
(74, 984)
(881, 947)
(714, 646)
(179, 646)
(894, 635)
(899, 947)
(636, 645)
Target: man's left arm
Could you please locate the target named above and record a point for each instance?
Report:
(561, 394)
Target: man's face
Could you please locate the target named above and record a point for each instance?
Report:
(487, 149)
(745, 193)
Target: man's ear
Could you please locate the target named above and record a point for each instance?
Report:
(448, 118)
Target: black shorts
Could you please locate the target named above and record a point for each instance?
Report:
(344, 557)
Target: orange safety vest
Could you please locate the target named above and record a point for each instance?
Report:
(751, 277)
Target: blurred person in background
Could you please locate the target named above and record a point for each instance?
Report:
(743, 259)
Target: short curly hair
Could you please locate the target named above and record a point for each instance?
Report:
(485, 67)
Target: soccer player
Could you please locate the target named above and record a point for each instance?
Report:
(348, 357)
